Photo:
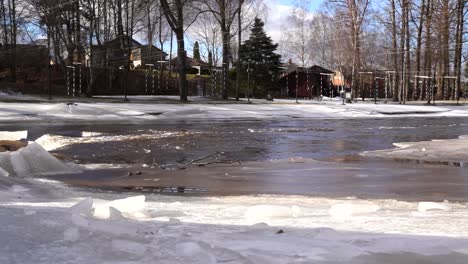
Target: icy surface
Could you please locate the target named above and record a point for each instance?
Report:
(443, 152)
(58, 226)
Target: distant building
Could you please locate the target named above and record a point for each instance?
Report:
(111, 54)
(309, 82)
(191, 63)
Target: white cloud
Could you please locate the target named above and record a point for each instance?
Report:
(277, 17)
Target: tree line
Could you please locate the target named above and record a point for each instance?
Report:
(405, 38)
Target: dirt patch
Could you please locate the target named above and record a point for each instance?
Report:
(11, 145)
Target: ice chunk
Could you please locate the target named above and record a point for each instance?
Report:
(13, 135)
(83, 208)
(79, 220)
(33, 160)
(130, 207)
(427, 206)
(347, 210)
(129, 247)
(3, 173)
(265, 212)
(52, 142)
(115, 214)
(71, 234)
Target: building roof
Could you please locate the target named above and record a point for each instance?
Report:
(191, 62)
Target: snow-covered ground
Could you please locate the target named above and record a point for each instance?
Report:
(47, 222)
(141, 110)
(441, 151)
(43, 221)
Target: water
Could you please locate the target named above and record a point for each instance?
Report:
(261, 141)
(250, 140)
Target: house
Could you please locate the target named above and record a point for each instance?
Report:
(307, 82)
(191, 63)
(111, 54)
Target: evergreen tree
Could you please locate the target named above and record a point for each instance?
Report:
(196, 51)
(258, 54)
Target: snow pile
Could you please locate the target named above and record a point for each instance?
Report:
(32, 160)
(13, 135)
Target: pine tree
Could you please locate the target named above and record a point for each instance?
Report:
(196, 51)
(258, 54)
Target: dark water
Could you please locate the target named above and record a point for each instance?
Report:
(323, 140)
(249, 140)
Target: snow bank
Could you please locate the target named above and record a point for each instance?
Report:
(32, 160)
(13, 135)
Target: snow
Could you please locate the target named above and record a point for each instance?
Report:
(344, 211)
(427, 206)
(44, 228)
(139, 110)
(452, 152)
(13, 135)
(32, 160)
(266, 212)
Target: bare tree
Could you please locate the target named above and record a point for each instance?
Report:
(225, 12)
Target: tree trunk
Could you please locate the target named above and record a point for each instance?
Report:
(239, 21)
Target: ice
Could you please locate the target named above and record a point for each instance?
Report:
(84, 207)
(33, 160)
(440, 151)
(260, 213)
(194, 253)
(128, 207)
(347, 210)
(71, 234)
(13, 135)
(430, 206)
(129, 247)
(3, 173)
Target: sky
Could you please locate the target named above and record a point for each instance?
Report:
(279, 10)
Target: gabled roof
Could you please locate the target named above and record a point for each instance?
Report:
(191, 62)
